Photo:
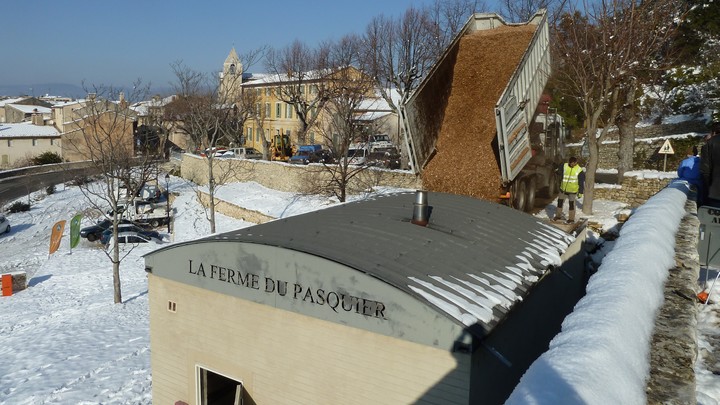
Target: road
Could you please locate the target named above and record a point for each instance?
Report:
(12, 188)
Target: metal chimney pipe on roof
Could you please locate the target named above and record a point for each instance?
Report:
(420, 208)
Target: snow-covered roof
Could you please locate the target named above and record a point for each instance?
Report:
(142, 107)
(27, 130)
(11, 100)
(29, 109)
(67, 103)
(374, 104)
(372, 115)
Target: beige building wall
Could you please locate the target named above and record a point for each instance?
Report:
(326, 363)
(18, 150)
(88, 144)
(64, 115)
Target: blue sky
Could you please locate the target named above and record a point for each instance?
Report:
(114, 43)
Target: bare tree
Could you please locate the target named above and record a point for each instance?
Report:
(523, 10)
(347, 87)
(103, 135)
(597, 53)
(446, 17)
(210, 117)
(398, 52)
(652, 26)
(299, 75)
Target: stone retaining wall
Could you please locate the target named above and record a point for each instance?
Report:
(648, 141)
(235, 211)
(674, 344)
(633, 191)
(287, 177)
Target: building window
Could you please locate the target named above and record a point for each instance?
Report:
(52, 142)
(9, 142)
(34, 142)
(313, 89)
(312, 137)
(278, 110)
(302, 89)
(249, 133)
(267, 92)
(267, 110)
(288, 110)
(257, 110)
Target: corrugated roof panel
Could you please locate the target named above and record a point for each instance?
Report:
(472, 262)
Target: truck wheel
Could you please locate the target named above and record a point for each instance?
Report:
(91, 237)
(155, 223)
(552, 185)
(518, 195)
(530, 189)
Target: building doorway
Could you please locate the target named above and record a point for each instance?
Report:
(217, 389)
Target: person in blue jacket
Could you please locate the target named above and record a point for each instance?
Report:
(689, 170)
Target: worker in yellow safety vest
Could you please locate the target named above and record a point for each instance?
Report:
(572, 186)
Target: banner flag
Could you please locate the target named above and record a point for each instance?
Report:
(56, 235)
(75, 230)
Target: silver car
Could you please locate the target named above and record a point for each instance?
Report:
(4, 224)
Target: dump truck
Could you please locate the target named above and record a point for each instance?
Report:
(478, 123)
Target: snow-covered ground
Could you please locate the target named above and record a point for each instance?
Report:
(64, 341)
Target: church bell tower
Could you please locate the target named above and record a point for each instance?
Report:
(231, 76)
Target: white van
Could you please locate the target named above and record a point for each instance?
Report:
(357, 156)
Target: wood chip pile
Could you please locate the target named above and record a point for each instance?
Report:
(465, 162)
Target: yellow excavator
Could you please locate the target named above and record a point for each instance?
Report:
(280, 148)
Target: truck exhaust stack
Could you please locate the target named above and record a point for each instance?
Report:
(420, 208)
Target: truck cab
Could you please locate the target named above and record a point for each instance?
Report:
(379, 142)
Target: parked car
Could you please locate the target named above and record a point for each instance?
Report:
(4, 224)
(322, 156)
(128, 237)
(130, 233)
(223, 154)
(243, 153)
(94, 232)
(211, 151)
(357, 156)
(304, 154)
(388, 159)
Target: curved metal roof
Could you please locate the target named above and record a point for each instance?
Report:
(472, 262)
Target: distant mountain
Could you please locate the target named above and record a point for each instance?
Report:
(60, 89)
(37, 90)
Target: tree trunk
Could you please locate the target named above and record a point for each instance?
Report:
(211, 192)
(626, 121)
(117, 293)
(590, 170)
(626, 148)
